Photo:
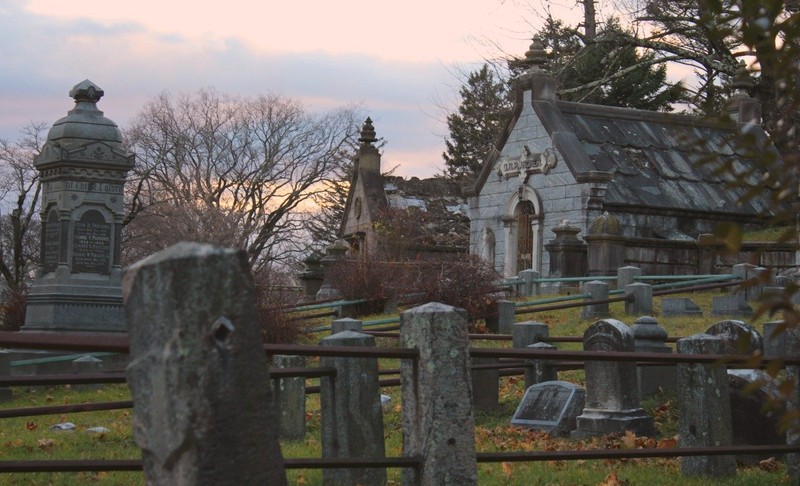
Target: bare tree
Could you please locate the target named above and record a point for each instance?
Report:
(232, 171)
(19, 201)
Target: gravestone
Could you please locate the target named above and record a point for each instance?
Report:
(551, 406)
(612, 397)
(705, 413)
(753, 415)
(737, 337)
(82, 166)
(649, 337)
(679, 306)
(598, 291)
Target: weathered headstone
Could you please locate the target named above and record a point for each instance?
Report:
(438, 421)
(83, 166)
(506, 316)
(754, 395)
(679, 306)
(352, 420)
(612, 397)
(198, 373)
(704, 404)
(737, 337)
(649, 337)
(551, 406)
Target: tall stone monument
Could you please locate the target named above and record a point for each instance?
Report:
(82, 168)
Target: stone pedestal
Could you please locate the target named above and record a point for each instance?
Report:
(83, 167)
(567, 252)
(649, 337)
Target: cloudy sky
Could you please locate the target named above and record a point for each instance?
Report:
(397, 61)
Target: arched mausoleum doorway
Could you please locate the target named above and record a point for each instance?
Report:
(523, 228)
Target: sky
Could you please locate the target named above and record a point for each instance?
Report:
(398, 62)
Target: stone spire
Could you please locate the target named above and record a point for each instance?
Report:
(536, 79)
(369, 159)
(741, 107)
(85, 124)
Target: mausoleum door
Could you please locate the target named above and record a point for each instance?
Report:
(526, 214)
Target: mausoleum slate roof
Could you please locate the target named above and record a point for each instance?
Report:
(654, 159)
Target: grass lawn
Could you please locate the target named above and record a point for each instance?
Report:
(31, 438)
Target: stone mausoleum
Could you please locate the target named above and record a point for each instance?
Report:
(396, 218)
(575, 189)
(83, 166)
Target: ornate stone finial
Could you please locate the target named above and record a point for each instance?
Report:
(742, 80)
(536, 56)
(367, 133)
(86, 91)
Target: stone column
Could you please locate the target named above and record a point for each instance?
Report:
(334, 253)
(290, 398)
(598, 291)
(612, 398)
(705, 408)
(312, 276)
(438, 422)
(352, 420)
(82, 165)
(198, 373)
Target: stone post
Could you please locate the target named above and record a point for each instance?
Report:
(82, 165)
(612, 398)
(541, 369)
(705, 408)
(5, 370)
(506, 316)
(352, 419)
(485, 385)
(290, 398)
(438, 422)
(627, 275)
(598, 291)
(529, 285)
(649, 337)
(745, 271)
(198, 373)
(346, 324)
(523, 334)
(642, 304)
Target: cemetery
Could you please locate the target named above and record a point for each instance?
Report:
(583, 367)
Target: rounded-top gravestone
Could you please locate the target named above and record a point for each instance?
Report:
(82, 166)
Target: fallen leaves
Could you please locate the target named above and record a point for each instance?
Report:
(613, 480)
(46, 444)
(31, 426)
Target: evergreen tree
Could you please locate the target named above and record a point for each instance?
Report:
(608, 69)
(484, 108)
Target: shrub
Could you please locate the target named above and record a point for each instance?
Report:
(463, 281)
(277, 326)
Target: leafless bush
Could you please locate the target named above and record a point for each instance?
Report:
(12, 309)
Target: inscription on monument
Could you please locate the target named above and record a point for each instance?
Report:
(52, 238)
(91, 244)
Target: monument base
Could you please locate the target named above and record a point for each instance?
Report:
(92, 309)
(600, 422)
